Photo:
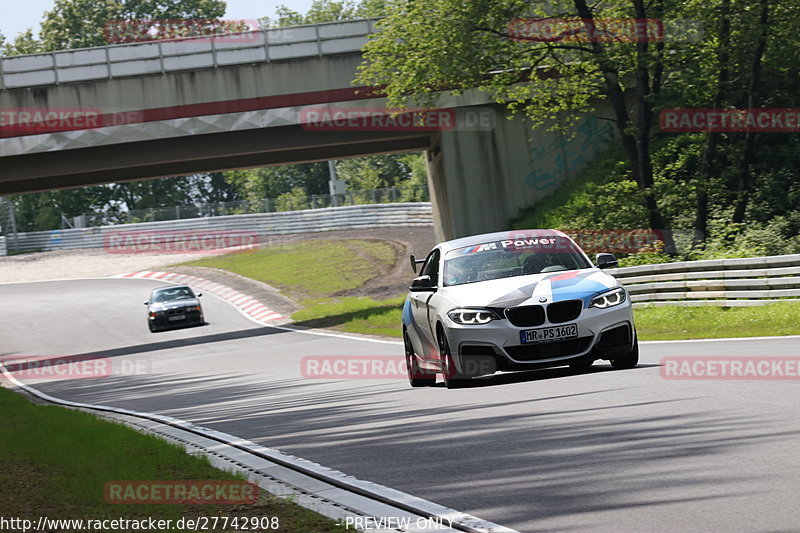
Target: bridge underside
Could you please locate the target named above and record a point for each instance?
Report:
(194, 154)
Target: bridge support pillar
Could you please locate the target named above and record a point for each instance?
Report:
(482, 173)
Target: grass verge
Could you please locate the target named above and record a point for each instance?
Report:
(57, 461)
(678, 323)
(309, 269)
(355, 315)
(315, 273)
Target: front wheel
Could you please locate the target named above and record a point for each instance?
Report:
(452, 379)
(628, 360)
(416, 376)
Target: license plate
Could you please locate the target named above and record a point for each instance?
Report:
(176, 317)
(555, 333)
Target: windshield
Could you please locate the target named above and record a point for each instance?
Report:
(178, 293)
(505, 259)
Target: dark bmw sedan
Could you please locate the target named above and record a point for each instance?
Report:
(173, 306)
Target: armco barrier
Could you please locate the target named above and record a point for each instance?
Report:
(2, 246)
(718, 282)
(263, 224)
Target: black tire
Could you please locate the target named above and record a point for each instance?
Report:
(150, 327)
(416, 376)
(628, 360)
(581, 365)
(452, 379)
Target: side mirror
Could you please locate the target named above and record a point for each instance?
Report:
(199, 294)
(422, 283)
(606, 261)
(415, 262)
(147, 303)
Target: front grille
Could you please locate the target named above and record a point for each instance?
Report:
(559, 312)
(526, 316)
(533, 352)
(178, 311)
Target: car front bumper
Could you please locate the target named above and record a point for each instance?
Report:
(190, 318)
(602, 334)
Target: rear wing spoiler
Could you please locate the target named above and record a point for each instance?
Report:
(415, 262)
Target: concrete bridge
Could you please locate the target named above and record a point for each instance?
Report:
(165, 108)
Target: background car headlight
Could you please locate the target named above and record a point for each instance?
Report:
(609, 299)
(472, 316)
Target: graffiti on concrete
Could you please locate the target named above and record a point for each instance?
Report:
(552, 163)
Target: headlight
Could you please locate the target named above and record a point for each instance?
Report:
(469, 317)
(609, 299)
(194, 308)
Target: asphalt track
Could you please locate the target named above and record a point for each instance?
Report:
(549, 450)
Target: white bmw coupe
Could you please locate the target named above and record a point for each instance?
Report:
(514, 301)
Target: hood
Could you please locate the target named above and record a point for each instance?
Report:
(527, 290)
(175, 304)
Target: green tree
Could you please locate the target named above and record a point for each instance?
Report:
(23, 43)
(256, 184)
(83, 23)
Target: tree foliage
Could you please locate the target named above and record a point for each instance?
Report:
(83, 23)
(715, 53)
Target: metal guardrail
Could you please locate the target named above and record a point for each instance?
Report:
(190, 53)
(262, 224)
(3, 251)
(718, 282)
(386, 195)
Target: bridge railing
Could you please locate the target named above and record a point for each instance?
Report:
(190, 53)
(719, 282)
(260, 224)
